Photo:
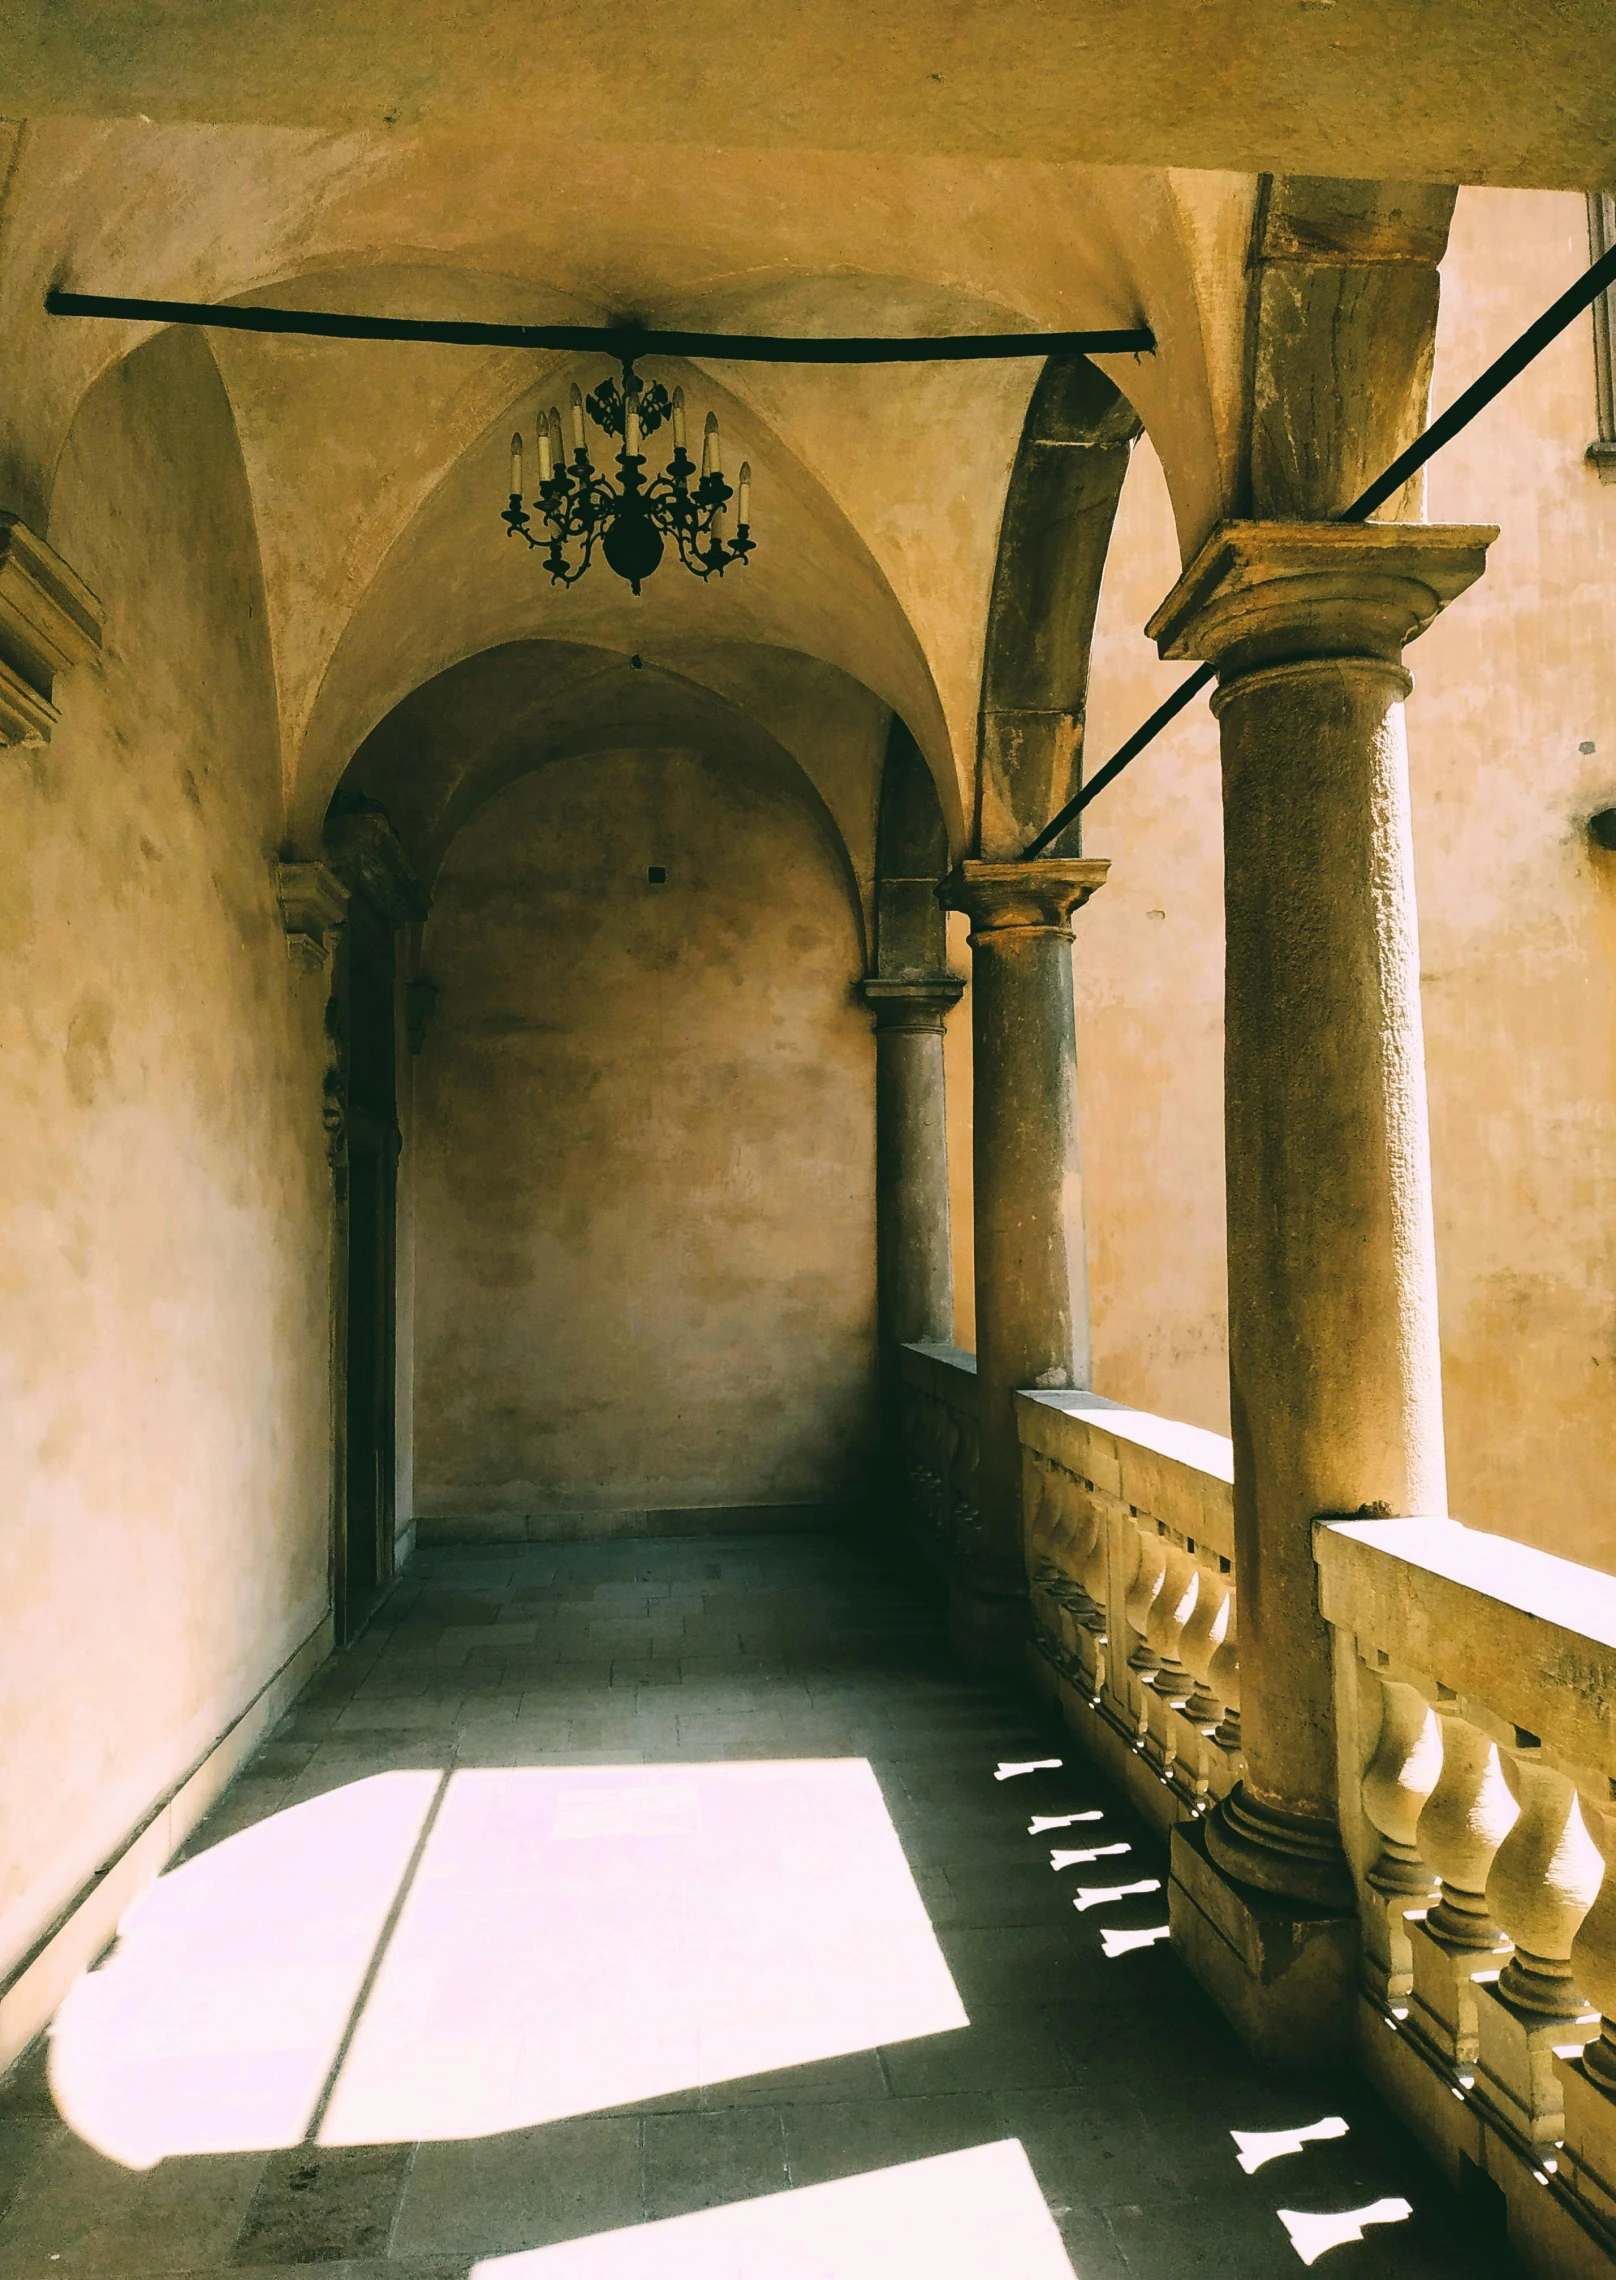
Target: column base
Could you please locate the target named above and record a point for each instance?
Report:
(1292, 1855)
(989, 1613)
(1283, 1972)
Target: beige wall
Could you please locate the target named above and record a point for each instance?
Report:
(644, 1216)
(163, 1195)
(1517, 912)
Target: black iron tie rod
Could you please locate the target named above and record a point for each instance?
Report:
(1458, 415)
(621, 342)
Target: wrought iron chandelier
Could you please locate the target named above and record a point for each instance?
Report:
(578, 505)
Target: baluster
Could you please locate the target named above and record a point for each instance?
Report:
(1199, 1716)
(1588, 2161)
(1225, 1684)
(1095, 1576)
(1149, 1570)
(1398, 1779)
(1204, 1634)
(1170, 1683)
(945, 1443)
(1465, 1819)
(1543, 1881)
(967, 1511)
(1040, 1517)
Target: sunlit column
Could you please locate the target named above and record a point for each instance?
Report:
(1335, 1384)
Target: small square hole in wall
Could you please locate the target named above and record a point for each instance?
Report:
(656, 875)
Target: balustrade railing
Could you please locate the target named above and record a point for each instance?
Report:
(1476, 1710)
(940, 1447)
(1130, 1559)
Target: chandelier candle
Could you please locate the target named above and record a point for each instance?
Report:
(577, 506)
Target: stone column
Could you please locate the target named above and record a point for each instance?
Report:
(1031, 1272)
(915, 1263)
(1334, 1369)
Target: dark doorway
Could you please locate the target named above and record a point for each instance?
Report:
(369, 1313)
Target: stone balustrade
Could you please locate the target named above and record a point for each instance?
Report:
(940, 1449)
(1475, 1695)
(1130, 1556)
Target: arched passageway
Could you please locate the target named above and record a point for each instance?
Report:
(644, 1138)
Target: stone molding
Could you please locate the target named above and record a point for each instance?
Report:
(1024, 897)
(49, 622)
(1270, 593)
(314, 905)
(911, 1007)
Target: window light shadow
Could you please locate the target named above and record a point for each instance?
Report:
(570, 1939)
(956, 2216)
(1313, 2236)
(1113, 1944)
(1254, 2147)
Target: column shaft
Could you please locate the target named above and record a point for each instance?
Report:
(916, 1273)
(1334, 1368)
(1031, 1272)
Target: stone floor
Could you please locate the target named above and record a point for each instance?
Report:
(561, 1933)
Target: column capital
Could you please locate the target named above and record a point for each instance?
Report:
(314, 906)
(917, 1005)
(1024, 897)
(1268, 593)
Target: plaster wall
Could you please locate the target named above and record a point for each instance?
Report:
(644, 1134)
(164, 1339)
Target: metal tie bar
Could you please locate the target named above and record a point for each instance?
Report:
(622, 342)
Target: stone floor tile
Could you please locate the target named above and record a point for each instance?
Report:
(77, 2213)
(25, 2138)
(324, 2201)
(523, 2189)
(827, 2081)
(845, 2140)
(704, 2160)
(1006, 2048)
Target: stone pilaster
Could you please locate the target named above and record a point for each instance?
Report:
(1335, 1387)
(1031, 1271)
(49, 622)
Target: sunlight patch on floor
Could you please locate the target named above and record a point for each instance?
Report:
(214, 2024)
(571, 1938)
(956, 2217)
(585, 1937)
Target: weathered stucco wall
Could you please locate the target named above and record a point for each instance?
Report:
(1512, 739)
(165, 1202)
(644, 1131)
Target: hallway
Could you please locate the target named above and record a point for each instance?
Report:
(624, 1789)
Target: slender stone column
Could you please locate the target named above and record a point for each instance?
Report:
(1032, 1325)
(1335, 1382)
(915, 1261)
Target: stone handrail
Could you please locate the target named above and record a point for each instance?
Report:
(1476, 1720)
(1130, 1555)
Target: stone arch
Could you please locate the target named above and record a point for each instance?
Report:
(1056, 530)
